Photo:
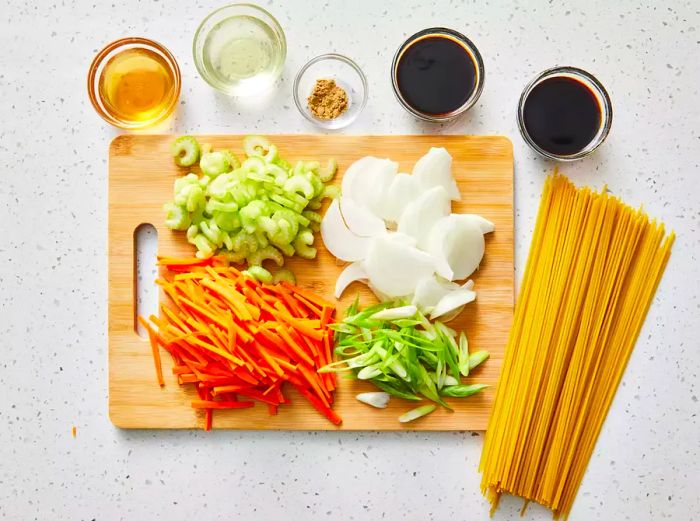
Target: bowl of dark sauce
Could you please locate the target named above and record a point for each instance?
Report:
(565, 113)
(437, 74)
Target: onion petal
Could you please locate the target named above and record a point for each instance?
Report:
(352, 272)
(394, 268)
(420, 215)
(435, 168)
(360, 220)
(338, 238)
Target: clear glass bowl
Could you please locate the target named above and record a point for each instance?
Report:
(469, 47)
(347, 75)
(598, 91)
(253, 20)
(102, 59)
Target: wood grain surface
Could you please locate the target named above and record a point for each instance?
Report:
(141, 175)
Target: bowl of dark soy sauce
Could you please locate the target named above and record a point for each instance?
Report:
(437, 74)
(565, 113)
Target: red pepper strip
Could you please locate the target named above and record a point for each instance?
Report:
(272, 409)
(310, 377)
(293, 346)
(294, 308)
(210, 404)
(256, 395)
(326, 411)
(208, 419)
(326, 316)
(313, 308)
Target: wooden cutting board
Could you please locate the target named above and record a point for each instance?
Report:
(141, 175)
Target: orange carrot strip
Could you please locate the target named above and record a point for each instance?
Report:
(219, 389)
(189, 378)
(154, 349)
(299, 326)
(312, 297)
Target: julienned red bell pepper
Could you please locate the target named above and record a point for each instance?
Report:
(230, 335)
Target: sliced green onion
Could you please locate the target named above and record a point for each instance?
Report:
(416, 413)
(477, 358)
(462, 391)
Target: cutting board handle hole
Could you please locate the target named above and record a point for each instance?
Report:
(145, 275)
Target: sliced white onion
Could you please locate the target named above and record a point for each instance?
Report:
(403, 189)
(360, 220)
(352, 272)
(458, 245)
(452, 301)
(430, 290)
(420, 215)
(401, 238)
(367, 181)
(339, 240)
(485, 225)
(435, 168)
(378, 399)
(394, 268)
(395, 313)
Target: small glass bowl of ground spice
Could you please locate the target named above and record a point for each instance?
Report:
(330, 91)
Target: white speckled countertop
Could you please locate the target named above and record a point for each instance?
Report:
(53, 265)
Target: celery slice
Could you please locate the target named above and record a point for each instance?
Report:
(259, 273)
(284, 274)
(214, 164)
(185, 151)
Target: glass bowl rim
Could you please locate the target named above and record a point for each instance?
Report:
(323, 57)
(591, 81)
(471, 48)
(99, 60)
(276, 26)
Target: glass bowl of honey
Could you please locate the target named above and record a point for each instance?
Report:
(134, 83)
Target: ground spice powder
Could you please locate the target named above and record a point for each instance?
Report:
(327, 100)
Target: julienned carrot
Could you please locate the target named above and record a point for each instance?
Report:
(233, 336)
(154, 349)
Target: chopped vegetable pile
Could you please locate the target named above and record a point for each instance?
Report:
(399, 350)
(262, 208)
(398, 233)
(232, 337)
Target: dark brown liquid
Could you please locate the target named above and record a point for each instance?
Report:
(436, 75)
(562, 115)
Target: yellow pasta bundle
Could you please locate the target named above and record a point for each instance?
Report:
(591, 274)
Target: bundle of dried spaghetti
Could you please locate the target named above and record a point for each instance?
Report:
(592, 271)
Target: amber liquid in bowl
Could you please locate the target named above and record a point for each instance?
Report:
(137, 85)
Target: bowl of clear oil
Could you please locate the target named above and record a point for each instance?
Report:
(240, 49)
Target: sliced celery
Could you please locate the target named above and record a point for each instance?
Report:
(185, 151)
(260, 208)
(284, 274)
